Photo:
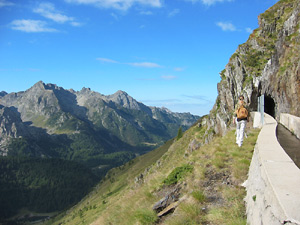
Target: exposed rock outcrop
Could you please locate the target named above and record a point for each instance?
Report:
(267, 64)
(170, 197)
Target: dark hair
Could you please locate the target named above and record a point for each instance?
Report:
(241, 96)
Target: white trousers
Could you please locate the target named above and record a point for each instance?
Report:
(240, 131)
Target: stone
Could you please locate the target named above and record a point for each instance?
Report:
(194, 145)
(171, 197)
(168, 209)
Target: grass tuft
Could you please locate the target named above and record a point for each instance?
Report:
(199, 196)
(146, 216)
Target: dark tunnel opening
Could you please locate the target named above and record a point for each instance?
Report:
(269, 106)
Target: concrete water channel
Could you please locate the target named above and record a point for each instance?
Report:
(273, 194)
(289, 142)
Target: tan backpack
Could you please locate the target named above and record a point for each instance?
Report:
(242, 112)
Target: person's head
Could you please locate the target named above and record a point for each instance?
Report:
(241, 99)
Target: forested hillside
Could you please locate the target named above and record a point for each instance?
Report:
(41, 185)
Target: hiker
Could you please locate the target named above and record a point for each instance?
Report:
(241, 117)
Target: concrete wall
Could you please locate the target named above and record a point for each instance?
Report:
(257, 119)
(291, 122)
(273, 185)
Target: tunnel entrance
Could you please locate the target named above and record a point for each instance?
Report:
(269, 106)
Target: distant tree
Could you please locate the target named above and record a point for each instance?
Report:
(179, 133)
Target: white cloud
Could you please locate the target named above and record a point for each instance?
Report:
(169, 77)
(197, 105)
(4, 3)
(106, 60)
(178, 69)
(161, 101)
(147, 13)
(173, 12)
(212, 2)
(249, 30)
(115, 16)
(145, 65)
(208, 2)
(76, 24)
(48, 11)
(31, 26)
(225, 26)
(118, 4)
(135, 64)
(199, 98)
(192, 1)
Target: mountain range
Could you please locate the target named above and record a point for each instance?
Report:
(48, 121)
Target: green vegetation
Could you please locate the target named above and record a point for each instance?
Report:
(83, 147)
(272, 13)
(179, 133)
(255, 58)
(177, 174)
(41, 185)
(222, 74)
(210, 179)
(199, 196)
(146, 216)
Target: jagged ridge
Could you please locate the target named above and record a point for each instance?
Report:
(87, 123)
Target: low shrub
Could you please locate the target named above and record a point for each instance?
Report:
(177, 174)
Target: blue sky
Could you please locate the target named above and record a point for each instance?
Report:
(161, 52)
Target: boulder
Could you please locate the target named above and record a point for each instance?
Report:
(171, 197)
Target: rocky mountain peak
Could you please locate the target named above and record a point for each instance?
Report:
(166, 109)
(39, 85)
(39, 100)
(85, 90)
(125, 100)
(119, 95)
(120, 92)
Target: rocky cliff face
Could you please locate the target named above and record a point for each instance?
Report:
(267, 64)
(10, 126)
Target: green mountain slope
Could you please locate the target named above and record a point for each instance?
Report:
(207, 180)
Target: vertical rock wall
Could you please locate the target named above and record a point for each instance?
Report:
(267, 64)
